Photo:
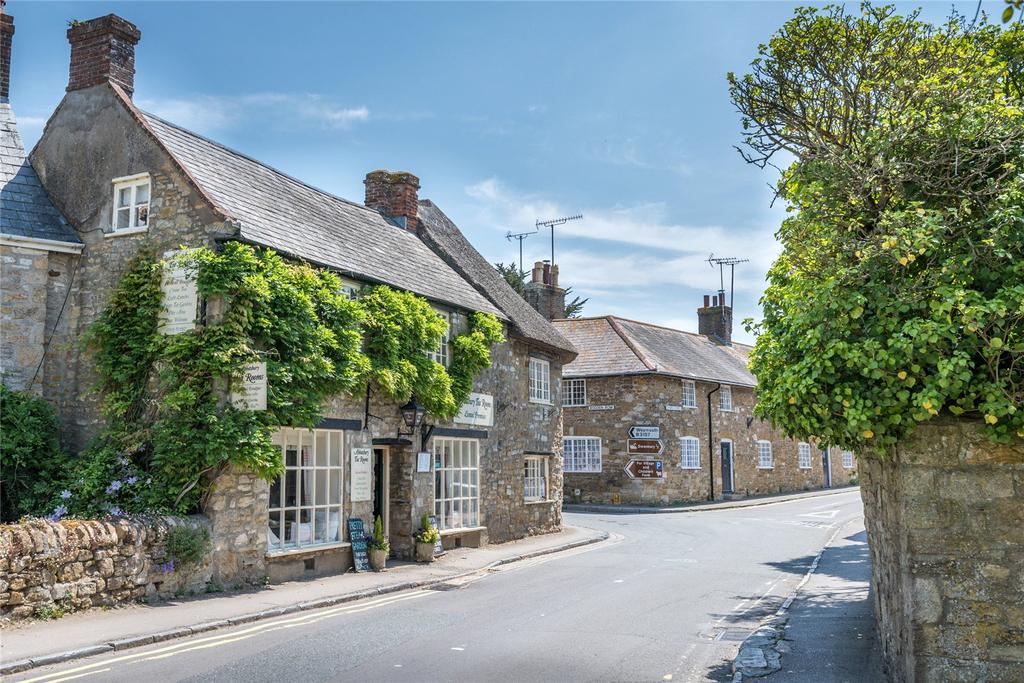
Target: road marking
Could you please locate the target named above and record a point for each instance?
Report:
(617, 581)
(214, 641)
(824, 514)
(458, 649)
(87, 673)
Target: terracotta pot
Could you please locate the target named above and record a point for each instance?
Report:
(378, 558)
(424, 552)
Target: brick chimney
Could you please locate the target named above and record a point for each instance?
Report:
(543, 292)
(714, 319)
(102, 50)
(6, 36)
(394, 195)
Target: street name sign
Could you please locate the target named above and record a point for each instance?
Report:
(644, 446)
(645, 432)
(645, 469)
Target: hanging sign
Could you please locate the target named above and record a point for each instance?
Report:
(644, 446)
(645, 469)
(253, 393)
(180, 297)
(477, 410)
(360, 547)
(645, 432)
(361, 474)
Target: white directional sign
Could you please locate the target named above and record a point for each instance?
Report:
(645, 432)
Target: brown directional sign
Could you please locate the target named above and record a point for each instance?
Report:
(645, 469)
(644, 446)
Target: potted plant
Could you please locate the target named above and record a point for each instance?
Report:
(379, 546)
(425, 539)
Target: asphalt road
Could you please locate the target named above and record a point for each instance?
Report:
(667, 598)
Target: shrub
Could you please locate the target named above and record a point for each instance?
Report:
(187, 545)
(428, 533)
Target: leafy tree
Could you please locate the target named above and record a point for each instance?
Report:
(574, 308)
(515, 277)
(899, 294)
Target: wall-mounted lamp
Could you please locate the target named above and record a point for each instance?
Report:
(412, 415)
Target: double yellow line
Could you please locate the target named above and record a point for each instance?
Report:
(224, 639)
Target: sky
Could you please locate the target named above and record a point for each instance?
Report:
(509, 113)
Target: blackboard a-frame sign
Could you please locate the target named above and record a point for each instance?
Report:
(439, 546)
(357, 536)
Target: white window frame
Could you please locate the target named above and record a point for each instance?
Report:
(540, 381)
(725, 398)
(316, 471)
(456, 483)
(442, 354)
(803, 455)
(689, 450)
(582, 454)
(535, 479)
(688, 397)
(765, 457)
(848, 460)
(132, 184)
(574, 393)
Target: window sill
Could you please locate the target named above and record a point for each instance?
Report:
(306, 550)
(806, 468)
(575, 405)
(462, 530)
(537, 502)
(691, 469)
(582, 471)
(537, 402)
(772, 467)
(126, 232)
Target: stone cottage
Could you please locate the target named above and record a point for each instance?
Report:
(127, 180)
(644, 406)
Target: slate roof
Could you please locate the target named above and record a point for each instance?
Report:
(25, 208)
(616, 346)
(275, 210)
(445, 237)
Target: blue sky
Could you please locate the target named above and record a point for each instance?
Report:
(508, 113)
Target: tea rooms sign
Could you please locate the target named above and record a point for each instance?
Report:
(478, 410)
(180, 296)
(252, 394)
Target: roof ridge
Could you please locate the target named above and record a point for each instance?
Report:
(631, 344)
(267, 166)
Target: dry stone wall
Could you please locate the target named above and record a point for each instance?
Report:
(945, 519)
(46, 567)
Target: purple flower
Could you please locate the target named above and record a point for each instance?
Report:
(116, 511)
(114, 487)
(131, 480)
(65, 494)
(58, 512)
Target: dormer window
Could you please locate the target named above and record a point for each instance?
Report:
(131, 202)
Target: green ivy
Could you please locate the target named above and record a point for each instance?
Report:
(170, 425)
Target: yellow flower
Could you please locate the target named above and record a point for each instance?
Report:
(857, 253)
(991, 419)
(927, 405)
(902, 374)
(846, 404)
(792, 400)
(903, 260)
(867, 433)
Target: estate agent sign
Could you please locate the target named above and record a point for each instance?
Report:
(362, 474)
(645, 469)
(181, 297)
(253, 393)
(478, 410)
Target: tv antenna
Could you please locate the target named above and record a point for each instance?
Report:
(551, 224)
(722, 262)
(519, 236)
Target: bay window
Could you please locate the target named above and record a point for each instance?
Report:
(457, 483)
(306, 501)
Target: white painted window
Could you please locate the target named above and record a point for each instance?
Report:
(765, 459)
(535, 479)
(131, 202)
(847, 459)
(803, 451)
(582, 453)
(442, 355)
(725, 398)
(690, 447)
(457, 483)
(306, 501)
(540, 381)
(574, 392)
(689, 399)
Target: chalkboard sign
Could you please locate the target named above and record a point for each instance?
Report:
(357, 536)
(439, 546)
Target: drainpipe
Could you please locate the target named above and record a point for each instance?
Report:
(711, 445)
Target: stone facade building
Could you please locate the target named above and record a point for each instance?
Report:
(128, 181)
(684, 396)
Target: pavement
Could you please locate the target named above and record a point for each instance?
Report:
(26, 645)
(706, 506)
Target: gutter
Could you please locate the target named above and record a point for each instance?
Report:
(41, 244)
(711, 445)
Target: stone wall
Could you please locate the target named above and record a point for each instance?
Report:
(945, 520)
(655, 400)
(46, 567)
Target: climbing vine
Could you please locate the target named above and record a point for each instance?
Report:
(171, 426)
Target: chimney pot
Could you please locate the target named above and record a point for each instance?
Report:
(394, 195)
(707, 301)
(538, 272)
(103, 50)
(6, 38)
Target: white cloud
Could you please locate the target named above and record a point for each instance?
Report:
(214, 112)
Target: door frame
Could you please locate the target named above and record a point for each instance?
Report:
(732, 464)
(385, 468)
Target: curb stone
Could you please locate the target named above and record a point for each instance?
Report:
(173, 634)
(701, 507)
